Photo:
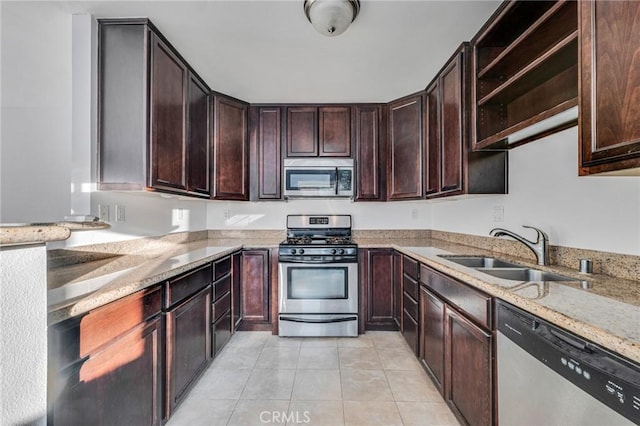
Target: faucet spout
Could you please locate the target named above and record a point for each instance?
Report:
(540, 246)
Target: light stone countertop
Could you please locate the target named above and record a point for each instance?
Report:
(75, 289)
(608, 313)
(38, 233)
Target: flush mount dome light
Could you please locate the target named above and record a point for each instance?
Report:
(331, 17)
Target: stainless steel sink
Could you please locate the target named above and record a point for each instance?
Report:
(524, 274)
(479, 261)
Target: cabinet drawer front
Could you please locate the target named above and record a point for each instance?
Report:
(410, 331)
(221, 306)
(410, 267)
(411, 286)
(475, 304)
(222, 267)
(184, 286)
(112, 320)
(221, 332)
(411, 306)
(221, 287)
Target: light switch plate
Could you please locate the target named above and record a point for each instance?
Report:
(104, 212)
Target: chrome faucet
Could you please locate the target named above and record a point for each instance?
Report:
(540, 247)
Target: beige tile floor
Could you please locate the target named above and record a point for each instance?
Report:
(260, 379)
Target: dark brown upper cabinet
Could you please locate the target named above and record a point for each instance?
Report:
(168, 153)
(525, 71)
(198, 140)
(404, 167)
(265, 124)
(450, 168)
(153, 113)
(609, 38)
(323, 131)
(370, 139)
(230, 149)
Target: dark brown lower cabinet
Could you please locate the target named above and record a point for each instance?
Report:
(377, 288)
(188, 346)
(102, 374)
(236, 293)
(432, 317)
(468, 383)
(222, 326)
(397, 290)
(256, 290)
(456, 345)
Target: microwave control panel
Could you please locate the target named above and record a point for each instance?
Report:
(344, 180)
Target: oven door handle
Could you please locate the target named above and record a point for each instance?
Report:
(318, 262)
(319, 321)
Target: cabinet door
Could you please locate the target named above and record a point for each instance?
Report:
(230, 150)
(117, 385)
(168, 117)
(256, 290)
(452, 124)
(236, 293)
(302, 132)
(334, 131)
(369, 164)
(609, 85)
(266, 138)
(379, 289)
(432, 136)
(198, 142)
(432, 316)
(405, 149)
(188, 346)
(468, 369)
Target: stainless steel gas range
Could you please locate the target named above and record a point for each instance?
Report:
(318, 277)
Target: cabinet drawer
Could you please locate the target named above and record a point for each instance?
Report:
(221, 306)
(76, 338)
(410, 331)
(475, 304)
(411, 306)
(221, 287)
(411, 286)
(410, 267)
(181, 287)
(222, 267)
(221, 333)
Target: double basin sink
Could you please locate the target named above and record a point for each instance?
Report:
(506, 270)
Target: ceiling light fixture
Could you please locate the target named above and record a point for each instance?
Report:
(331, 17)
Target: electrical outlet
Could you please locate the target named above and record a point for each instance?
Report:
(498, 213)
(104, 212)
(227, 214)
(414, 213)
(120, 213)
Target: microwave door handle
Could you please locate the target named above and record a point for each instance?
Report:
(337, 181)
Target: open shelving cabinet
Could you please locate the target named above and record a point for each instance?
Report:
(525, 70)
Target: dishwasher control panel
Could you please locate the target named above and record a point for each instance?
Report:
(606, 376)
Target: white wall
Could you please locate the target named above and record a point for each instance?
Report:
(272, 215)
(145, 215)
(595, 212)
(23, 335)
(35, 150)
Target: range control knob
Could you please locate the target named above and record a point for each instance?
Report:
(293, 251)
(333, 251)
(301, 251)
(341, 251)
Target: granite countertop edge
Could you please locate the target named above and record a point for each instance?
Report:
(40, 233)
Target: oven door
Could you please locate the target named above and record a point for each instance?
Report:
(323, 288)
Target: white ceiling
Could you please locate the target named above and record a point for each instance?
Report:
(267, 51)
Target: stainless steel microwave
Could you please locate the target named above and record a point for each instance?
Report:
(318, 177)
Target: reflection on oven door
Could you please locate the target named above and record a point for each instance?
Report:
(318, 325)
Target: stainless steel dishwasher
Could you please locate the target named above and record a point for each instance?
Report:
(548, 376)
